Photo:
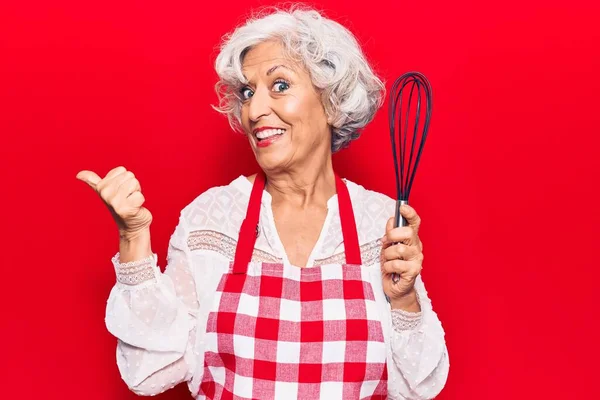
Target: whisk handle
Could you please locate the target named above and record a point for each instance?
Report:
(399, 220)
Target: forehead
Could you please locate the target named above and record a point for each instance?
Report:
(260, 58)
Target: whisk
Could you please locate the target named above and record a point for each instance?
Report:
(411, 125)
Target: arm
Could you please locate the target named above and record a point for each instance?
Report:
(153, 315)
(420, 355)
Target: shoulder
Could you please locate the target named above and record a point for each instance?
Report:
(219, 208)
(370, 201)
(372, 210)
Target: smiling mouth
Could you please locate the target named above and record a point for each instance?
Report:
(268, 134)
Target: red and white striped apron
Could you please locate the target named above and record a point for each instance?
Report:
(276, 331)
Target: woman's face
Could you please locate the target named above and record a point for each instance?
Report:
(282, 113)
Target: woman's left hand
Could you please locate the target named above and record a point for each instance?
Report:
(402, 253)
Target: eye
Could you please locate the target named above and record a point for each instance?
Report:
(246, 93)
(282, 85)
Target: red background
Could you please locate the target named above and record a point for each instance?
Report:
(505, 187)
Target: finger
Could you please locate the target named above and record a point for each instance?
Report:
(89, 177)
(391, 235)
(390, 225)
(406, 269)
(411, 216)
(401, 234)
(110, 188)
(130, 186)
(401, 252)
(136, 199)
(120, 179)
(109, 179)
(114, 172)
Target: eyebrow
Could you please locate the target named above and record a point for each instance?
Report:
(272, 69)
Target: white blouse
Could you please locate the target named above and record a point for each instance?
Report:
(160, 319)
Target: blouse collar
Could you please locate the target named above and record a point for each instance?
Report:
(245, 186)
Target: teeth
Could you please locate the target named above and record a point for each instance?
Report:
(269, 132)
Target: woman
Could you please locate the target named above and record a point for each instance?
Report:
(278, 285)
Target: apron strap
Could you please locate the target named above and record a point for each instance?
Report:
(349, 233)
(247, 238)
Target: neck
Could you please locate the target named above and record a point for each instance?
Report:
(302, 187)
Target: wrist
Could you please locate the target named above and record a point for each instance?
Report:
(408, 302)
(135, 245)
(132, 238)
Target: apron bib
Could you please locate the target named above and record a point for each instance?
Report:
(277, 331)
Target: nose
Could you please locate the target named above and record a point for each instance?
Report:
(259, 104)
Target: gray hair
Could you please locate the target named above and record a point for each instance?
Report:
(350, 91)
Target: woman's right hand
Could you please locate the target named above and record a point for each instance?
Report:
(122, 194)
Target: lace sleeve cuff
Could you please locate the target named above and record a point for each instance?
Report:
(405, 320)
(134, 272)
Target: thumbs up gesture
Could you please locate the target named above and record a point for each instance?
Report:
(122, 194)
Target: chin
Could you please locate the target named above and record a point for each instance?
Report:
(273, 157)
(271, 162)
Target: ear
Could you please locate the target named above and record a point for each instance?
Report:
(329, 117)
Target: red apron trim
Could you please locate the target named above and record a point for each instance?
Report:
(245, 246)
(351, 248)
(247, 239)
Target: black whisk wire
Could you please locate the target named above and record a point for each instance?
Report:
(406, 168)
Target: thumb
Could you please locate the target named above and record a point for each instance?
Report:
(89, 177)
